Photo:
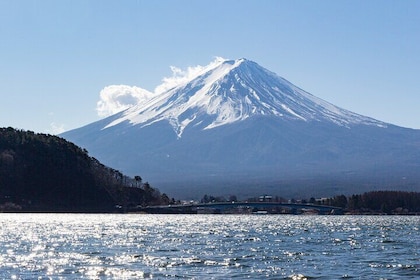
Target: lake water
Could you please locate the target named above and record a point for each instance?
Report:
(79, 246)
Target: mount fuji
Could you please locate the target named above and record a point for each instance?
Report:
(236, 128)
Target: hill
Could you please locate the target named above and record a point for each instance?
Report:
(40, 172)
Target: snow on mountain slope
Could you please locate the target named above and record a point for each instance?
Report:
(234, 123)
(233, 90)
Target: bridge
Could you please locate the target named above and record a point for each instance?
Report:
(242, 208)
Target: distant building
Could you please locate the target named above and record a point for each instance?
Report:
(265, 198)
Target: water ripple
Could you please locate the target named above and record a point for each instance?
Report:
(77, 246)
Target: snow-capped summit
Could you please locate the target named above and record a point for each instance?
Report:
(234, 90)
(233, 127)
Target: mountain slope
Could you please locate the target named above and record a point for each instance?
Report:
(232, 91)
(235, 123)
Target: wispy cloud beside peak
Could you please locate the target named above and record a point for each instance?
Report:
(180, 76)
(116, 98)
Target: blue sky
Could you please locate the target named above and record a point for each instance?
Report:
(57, 56)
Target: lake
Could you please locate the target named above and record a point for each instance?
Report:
(133, 246)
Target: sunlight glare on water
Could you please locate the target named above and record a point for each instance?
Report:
(105, 246)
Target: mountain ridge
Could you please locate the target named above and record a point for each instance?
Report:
(225, 92)
(235, 122)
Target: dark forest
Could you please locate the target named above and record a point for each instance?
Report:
(40, 172)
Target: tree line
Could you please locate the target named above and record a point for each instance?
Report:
(386, 202)
(41, 172)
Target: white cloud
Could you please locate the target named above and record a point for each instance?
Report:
(180, 76)
(55, 128)
(116, 98)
